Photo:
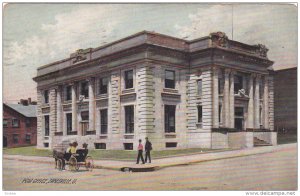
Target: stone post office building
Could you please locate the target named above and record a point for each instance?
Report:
(210, 92)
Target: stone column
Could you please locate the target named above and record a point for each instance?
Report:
(59, 109)
(91, 105)
(52, 115)
(215, 96)
(250, 119)
(74, 109)
(231, 100)
(226, 98)
(266, 103)
(256, 103)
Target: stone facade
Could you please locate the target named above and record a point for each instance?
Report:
(210, 92)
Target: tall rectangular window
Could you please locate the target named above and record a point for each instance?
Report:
(129, 119)
(170, 118)
(199, 108)
(5, 122)
(84, 89)
(220, 113)
(220, 85)
(103, 121)
(27, 138)
(68, 93)
(103, 82)
(15, 122)
(261, 89)
(128, 79)
(47, 127)
(238, 83)
(46, 96)
(28, 122)
(69, 122)
(199, 88)
(15, 138)
(169, 79)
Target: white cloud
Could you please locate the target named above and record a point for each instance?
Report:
(82, 28)
(272, 25)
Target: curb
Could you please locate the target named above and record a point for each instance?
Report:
(155, 167)
(161, 166)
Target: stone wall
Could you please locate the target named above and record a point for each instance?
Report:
(219, 140)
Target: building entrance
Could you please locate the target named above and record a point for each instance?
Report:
(4, 141)
(239, 118)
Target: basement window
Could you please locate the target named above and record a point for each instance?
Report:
(100, 145)
(46, 145)
(128, 146)
(171, 144)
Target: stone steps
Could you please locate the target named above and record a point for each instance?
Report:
(259, 142)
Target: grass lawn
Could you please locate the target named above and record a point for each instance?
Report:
(105, 154)
(28, 151)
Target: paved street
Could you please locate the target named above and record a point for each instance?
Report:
(272, 171)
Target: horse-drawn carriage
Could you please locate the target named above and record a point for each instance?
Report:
(74, 161)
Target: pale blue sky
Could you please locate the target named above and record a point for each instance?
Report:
(37, 34)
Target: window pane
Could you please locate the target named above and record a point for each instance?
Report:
(128, 79)
(5, 123)
(170, 75)
(239, 111)
(129, 119)
(68, 93)
(220, 112)
(170, 118)
(238, 83)
(69, 123)
(169, 79)
(27, 122)
(103, 85)
(199, 107)
(103, 120)
(15, 122)
(15, 138)
(85, 89)
(27, 138)
(199, 82)
(46, 96)
(47, 125)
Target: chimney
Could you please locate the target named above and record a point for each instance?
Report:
(24, 102)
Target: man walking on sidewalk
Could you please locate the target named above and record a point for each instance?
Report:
(148, 148)
(140, 153)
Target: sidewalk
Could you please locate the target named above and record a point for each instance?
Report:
(166, 162)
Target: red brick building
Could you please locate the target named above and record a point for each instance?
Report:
(19, 124)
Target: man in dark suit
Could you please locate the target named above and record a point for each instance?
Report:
(148, 148)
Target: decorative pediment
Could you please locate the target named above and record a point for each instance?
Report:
(80, 55)
(262, 50)
(219, 39)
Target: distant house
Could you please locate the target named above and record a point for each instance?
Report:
(19, 124)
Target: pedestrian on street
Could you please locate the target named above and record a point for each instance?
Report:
(148, 148)
(140, 153)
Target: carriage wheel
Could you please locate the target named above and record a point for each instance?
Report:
(89, 163)
(73, 165)
(59, 164)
